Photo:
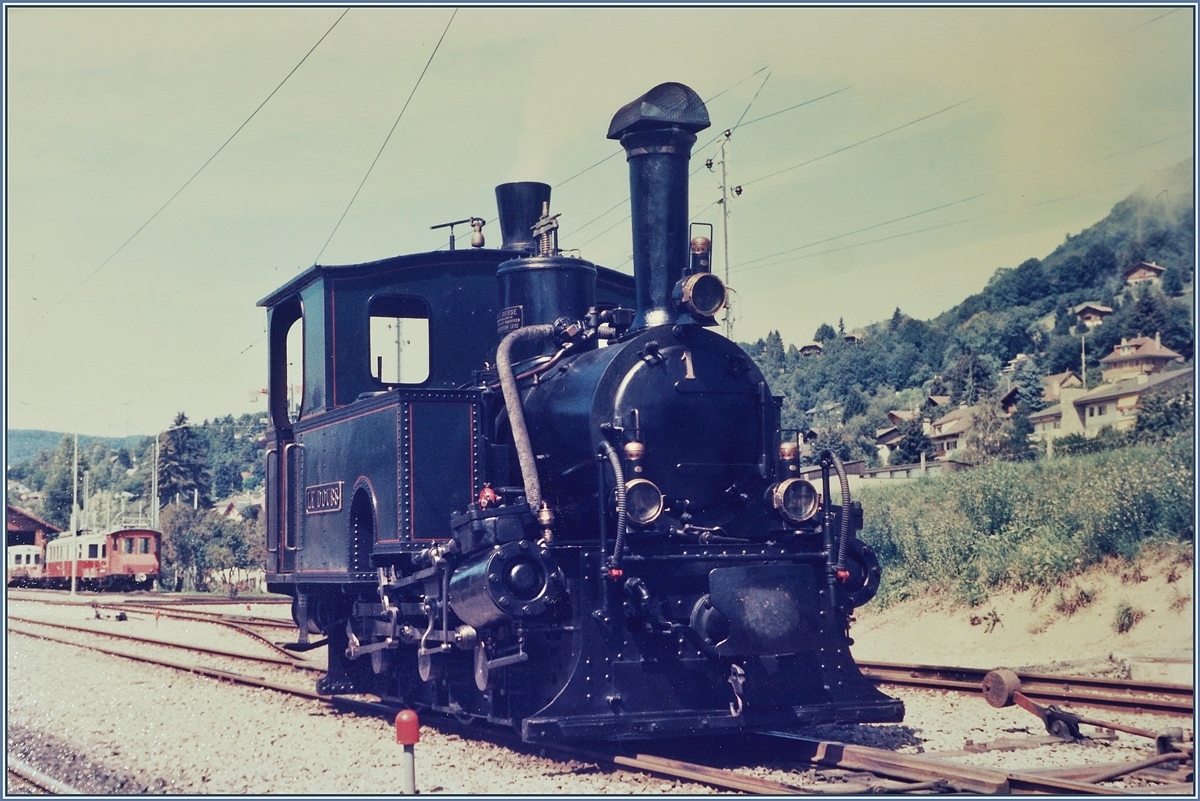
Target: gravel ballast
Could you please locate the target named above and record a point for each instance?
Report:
(111, 725)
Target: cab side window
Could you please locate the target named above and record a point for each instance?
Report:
(399, 334)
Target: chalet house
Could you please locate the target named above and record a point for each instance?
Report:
(886, 442)
(23, 528)
(1137, 356)
(888, 438)
(1144, 272)
(1116, 404)
(235, 506)
(946, 432)
(827, 415)
(1134, 367)
(1053, 385)
(936, 401)
(812, 349)
(1013, 362)
(1091, 314)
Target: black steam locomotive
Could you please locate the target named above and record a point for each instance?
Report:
(566, 506)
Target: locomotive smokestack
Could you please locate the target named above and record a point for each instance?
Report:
(657, 131)
(520, 205)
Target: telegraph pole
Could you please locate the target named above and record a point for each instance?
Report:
(725, 226)
(74, 503)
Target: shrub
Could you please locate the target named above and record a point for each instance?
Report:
(1128, 616)
(1028, 525)
(1068, 603)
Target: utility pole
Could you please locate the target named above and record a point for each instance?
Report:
(1083, 359)
(74, 504)
(725, 226)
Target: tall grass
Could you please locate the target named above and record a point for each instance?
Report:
(1023, 525)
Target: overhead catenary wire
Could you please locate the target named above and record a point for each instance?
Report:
(388, 138)
(941, 226)
(210, 159)
(867, 228)
(739, 124)
(619, 152)
(859, 142)
(701, 148)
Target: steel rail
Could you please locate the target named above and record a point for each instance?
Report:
(924, 768)
(230, 621)
(273, 660)
(1151, 697)
(924, 772)
(215, 673)
(192, 614)
(39, 779)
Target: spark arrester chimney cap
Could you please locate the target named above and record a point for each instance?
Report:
(668, 104)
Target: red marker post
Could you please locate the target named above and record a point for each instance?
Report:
(408, 731)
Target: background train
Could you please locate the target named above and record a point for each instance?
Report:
(24, 568)
(122, 560)
(524, 488)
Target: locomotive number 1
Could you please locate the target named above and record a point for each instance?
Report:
(687, 360)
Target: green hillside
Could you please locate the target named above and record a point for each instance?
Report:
(845, 393)
(23, 445)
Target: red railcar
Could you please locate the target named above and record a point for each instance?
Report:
(127, 559)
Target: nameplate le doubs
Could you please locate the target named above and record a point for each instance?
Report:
(323, 498)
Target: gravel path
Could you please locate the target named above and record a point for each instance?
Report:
(111, 725)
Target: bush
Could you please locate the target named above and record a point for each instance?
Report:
(1128, 616)
(1028, 525)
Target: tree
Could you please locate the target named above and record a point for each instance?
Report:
(1172, 281)
(968, 378)
(1099, 262)
(198, 541)
(834, 441)
(854, 405)
(1165, 413)
(60, 489)
(897, 319)
(990, 435)
(182, 466)
(1027, 379)
(913, 442)
(824, 333)
(1020, 429)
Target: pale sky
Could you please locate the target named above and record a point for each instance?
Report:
(939, 144)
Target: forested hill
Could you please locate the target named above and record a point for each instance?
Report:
(22, 445)
(207, 461)
(1027, 308)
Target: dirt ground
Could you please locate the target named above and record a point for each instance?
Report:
(1067, 630)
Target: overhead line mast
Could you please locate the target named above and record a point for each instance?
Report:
(727, 321)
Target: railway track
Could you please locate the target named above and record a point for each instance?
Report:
(1100, 693)
(1113, 694)
(32, 777)
(891, 772)
(290, 660)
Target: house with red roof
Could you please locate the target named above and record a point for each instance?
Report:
(1144, 272)
(25, 528)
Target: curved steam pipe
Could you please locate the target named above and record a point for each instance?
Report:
(618, 472)
(516, 413)
(844, 481)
